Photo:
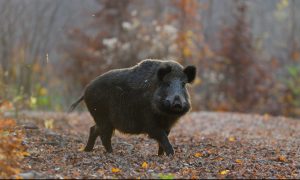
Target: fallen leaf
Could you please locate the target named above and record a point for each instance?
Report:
(224, 172)
(282, 159)
(231, 139)
(280, 177)
(239, 161)
(198, 154)
(81, 149)
(210, 151)
(115, 170)
(166, 176)
(145, 165)
(219, 159)
(194, 177)
(101, 171)
(75, 173)
(49, 123)
(25, 154)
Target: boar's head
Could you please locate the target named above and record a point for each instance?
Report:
(171, 96)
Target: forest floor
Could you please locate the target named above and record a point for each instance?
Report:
(206, 144)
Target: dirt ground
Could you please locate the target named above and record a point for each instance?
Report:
(206, 144)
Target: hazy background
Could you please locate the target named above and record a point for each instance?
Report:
(247, 52)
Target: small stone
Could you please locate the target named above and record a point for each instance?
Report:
(185, 164)
(50, 133)
(24, 142)
(31, 175)
(150, 170)
(87, 161)
(27, 175)
(30, 126)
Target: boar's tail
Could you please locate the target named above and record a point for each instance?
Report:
(73, 106)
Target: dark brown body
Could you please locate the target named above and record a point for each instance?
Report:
(143, 99)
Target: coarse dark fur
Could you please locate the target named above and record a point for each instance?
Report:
(146, 98)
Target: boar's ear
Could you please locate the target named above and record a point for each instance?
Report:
(163, 71)
(190, 72)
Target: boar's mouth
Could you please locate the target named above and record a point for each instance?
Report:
(178, 111)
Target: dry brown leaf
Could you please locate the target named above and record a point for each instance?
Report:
(282, 158)
(25, 153)
(219, 159)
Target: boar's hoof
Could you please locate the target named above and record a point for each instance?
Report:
(170, 152)
(88, 149)
(160, 151)
(109, 151)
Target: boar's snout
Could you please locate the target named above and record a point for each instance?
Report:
(176, 104)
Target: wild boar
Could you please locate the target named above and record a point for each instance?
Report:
(147, 98)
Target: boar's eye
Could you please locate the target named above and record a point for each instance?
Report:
(183, 84)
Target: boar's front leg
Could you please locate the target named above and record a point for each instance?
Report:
(162, 138)
(160, 149)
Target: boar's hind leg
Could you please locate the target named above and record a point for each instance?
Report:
(94, 133)
(105, 135)
(160, 148)
(162, 138)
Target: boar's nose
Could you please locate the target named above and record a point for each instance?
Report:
(177, 104)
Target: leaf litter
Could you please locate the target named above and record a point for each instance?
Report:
(206, 144)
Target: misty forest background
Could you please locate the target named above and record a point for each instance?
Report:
(247, 52)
